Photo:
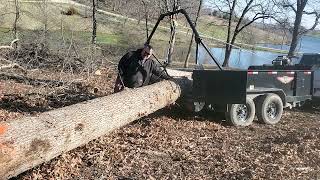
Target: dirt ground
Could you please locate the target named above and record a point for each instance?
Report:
(169, 144)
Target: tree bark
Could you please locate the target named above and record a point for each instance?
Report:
(295, 34)
(172, 38)
(228, 44)
(15, 24)
(30, 141)
(94, 22)
(186, 63)
(297, 23)
(173, 18)
(146, 16)
(45, 21)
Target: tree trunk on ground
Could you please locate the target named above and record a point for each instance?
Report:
(30, 141)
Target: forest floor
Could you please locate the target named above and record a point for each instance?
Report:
(168, 144)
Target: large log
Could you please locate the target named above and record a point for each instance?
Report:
(30, 141)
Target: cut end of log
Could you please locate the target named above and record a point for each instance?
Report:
(3, 128)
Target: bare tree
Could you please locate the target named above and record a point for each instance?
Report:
(284, 26)
(44, 19)
(172, 5)
(146, 15)
(300, 8)
(186, 63)
(17, 16)
(94, 22)
(249, 11)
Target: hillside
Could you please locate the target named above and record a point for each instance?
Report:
(315, 33)
(113, 28)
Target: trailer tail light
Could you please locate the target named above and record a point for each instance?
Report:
(272, 72)
(252, 72)
(308, 72)
(290, 72)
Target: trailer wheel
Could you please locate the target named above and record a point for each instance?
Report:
(241, 114)
(269, 109)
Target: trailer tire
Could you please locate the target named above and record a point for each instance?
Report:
(269, 109)
(241, 114)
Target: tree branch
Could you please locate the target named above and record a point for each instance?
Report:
(253, 20)
(244, 12)
(311, 13)
(11, 65)
(290, 6)
(219, 9)
(11, 45)
(7, 13)
(316, 22)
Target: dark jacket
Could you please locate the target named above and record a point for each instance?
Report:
(136, 73)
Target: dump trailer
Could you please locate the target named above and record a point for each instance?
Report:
(262, 91)
(269, 89)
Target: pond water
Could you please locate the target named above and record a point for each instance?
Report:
(241, 58)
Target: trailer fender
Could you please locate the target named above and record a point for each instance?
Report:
(263, 91)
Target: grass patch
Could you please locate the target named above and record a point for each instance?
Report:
(112, 39)
(6, 35)
(315, 34)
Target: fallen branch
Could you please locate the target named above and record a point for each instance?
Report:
(11, 45)
(12, 65)
(37, 82)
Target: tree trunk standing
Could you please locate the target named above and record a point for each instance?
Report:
(299, 11)
(147, 30)
(172, 38)
(295, 35)
(114, 6)
(30, 141)
(139, 16)
(256, 9)
(186, 62)
(296, 29)
(94, 22)
(45, 21)
(175, 6)
(228, 51)
(15, 33)
(228, 43)
(227, 56)
(85, 12)
(146, 16)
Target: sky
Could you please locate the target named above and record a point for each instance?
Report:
(307, 20)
